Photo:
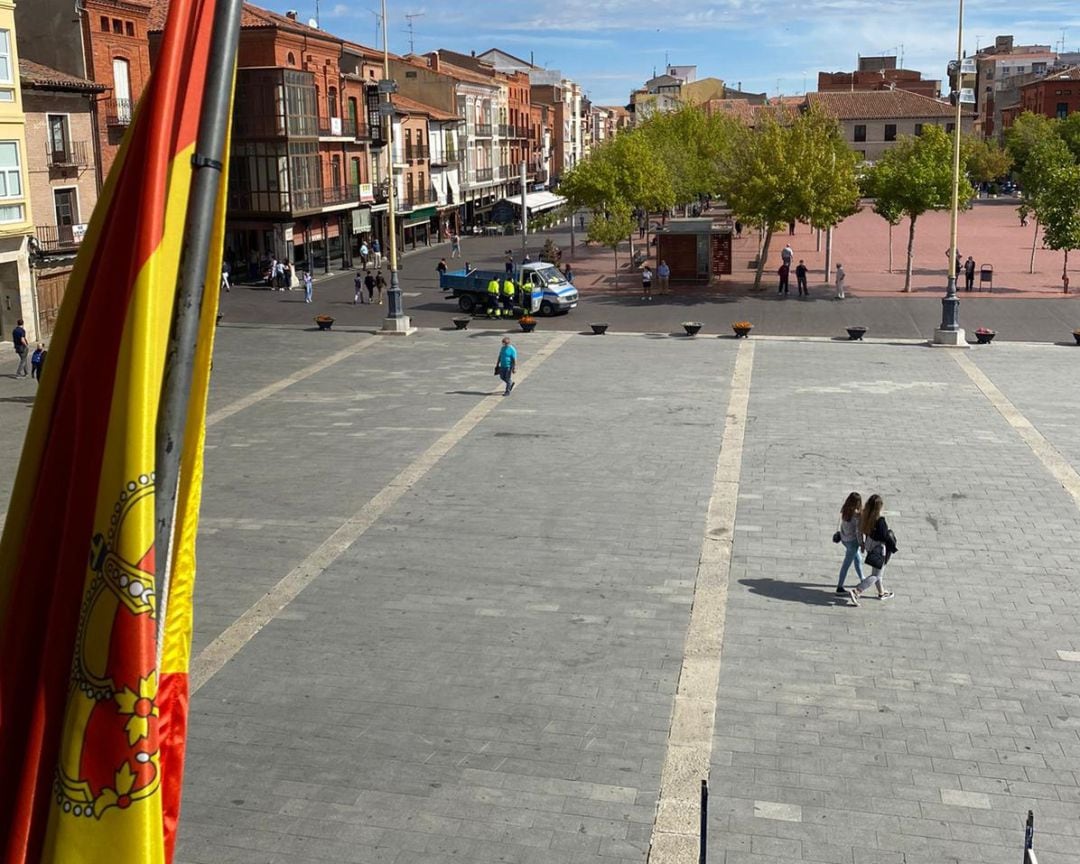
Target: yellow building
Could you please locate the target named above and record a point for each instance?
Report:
(16, 221)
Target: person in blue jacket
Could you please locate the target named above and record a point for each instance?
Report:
(507, 364)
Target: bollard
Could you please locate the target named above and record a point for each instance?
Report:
(703, 851)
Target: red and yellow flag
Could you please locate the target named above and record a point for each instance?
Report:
(92, 726)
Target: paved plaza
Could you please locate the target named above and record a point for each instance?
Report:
(438, 625)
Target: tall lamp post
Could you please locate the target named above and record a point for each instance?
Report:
(396, 321)
(950, 332)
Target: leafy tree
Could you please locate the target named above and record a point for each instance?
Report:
(610, 228)
(1027, 131)
(691, 145)
(1044, 161)
(914, 177)
(1069, 129)
(985, 161)
(1059, 210)
(776, 173)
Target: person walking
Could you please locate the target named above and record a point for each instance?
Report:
(288, 275)
(848, 535)
(455, 245)
(309, 286)
(441, 268)
(376, 253)
(22, 347)
(840, 277)
(508, 292)
(800, 278)
(225, 276)
(279, 276)
(787, 254)
(493, 296)
(506, 365)
(969, 274)
(880, 545)
(508, 265)
(664, 274)
(738, 228)
(37, 362)
(369, 286)
(364, 253)
(358, 286)
(783, 272)
(380, 285)
(569, 272)
(271, 275)
(646, 283)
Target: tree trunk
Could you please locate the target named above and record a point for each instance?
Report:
(762, 255)
(615, 249)
(910, 256)
(1034, 241)
(1065, 273)
(890, 246)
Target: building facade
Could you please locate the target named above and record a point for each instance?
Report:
(62, 176)
(879, 73)
(873, 121)
(1001, 70)
(17, 297)
(1057, 95)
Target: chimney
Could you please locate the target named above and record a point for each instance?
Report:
(433, 59)
(472, 53)
(291, 14)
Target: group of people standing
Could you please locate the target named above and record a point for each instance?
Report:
(22, 350)
(864, 529)
(373, 285)
(663, 274)
(787, 255)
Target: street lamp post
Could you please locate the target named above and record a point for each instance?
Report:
(396, 321)
(950, 331)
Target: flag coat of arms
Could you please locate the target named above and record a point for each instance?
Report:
(93, 701)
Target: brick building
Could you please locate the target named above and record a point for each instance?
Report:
(104, 41)
(1001, 70)
(1056, 95)
(61, 174)
(878, 73)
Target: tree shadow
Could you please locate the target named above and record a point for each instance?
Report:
(809, 593)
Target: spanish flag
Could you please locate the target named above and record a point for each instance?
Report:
(92, 708)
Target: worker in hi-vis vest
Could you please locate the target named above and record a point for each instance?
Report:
(508, 292)
(493, 297)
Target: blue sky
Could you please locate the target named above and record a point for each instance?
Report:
(610, 46)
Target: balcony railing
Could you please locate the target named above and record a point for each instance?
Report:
(483, 175)
(482, 130)
(506, 130)
(56, 238)
(418, 198)
(504, 172)
(295, 202)
(74, 155)
(521, 131)
(118, 112)
(446, 160)
(416, 151)
(337, 127)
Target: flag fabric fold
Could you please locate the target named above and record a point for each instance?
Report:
(92, 725)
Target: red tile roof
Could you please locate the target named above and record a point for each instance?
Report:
(252, 16)
(39, 77)
(879, 104)
(411, 106)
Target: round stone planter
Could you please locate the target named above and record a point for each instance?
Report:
(692, 328)
(461, 323)
(599, 329)
(221, 315)
(527, 327)
(324, 322)
(741, 332)
(1076, 336)
(984, 337)
(855, 334)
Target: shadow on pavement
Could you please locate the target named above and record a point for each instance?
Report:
(812, 594)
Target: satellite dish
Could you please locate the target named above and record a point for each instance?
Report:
(313, 23)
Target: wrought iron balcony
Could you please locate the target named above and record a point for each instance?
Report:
(482, 130)
(73, 155)
(483, 175)
(302, 201)
(118, 112)
(59, 238)
(414, 152)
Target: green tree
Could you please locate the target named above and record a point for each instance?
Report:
(1044, 161)
(914, 177)
(985, 161)
(1059, 211)
(610, 228)
(691, 145)
(1069, 129)
(779, 172)
(1026, 132)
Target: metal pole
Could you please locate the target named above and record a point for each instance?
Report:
(208, 162)
(828, 254)
(393, 295)
(703, 850)
(524, 219)
(950, 304)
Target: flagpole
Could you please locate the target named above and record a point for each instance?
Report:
(208, 164)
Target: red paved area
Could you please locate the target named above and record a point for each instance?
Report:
(990, 232)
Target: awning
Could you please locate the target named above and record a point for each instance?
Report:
(438, 180)
(418, 217)
(455, 188)
(538, 202)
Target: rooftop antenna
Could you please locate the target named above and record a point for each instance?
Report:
(409, 16)
(978, 42)
(1061, 42)
(318, 20)
(901, 64)
(378, 27)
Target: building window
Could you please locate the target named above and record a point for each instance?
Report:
(122, 89)
(918, 129)
(331, 100)
(1062, 110)
(129, 28)
(291, 59)
(356, 176)
(860, 132)
(5, 57)
(335, 171)
(104, 23)
(117, 26)
(59, 140)
(950, 128)
(10, 182)
(890, 131)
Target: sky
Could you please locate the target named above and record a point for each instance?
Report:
(612, 46)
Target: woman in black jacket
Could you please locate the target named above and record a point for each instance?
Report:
(879, 543)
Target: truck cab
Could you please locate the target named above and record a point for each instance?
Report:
(557, 295)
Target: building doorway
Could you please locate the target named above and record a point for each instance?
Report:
(67, 214)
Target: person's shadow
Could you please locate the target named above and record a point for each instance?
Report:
(810, 593)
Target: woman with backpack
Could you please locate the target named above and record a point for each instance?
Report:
(880, 545)
(849, 536)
